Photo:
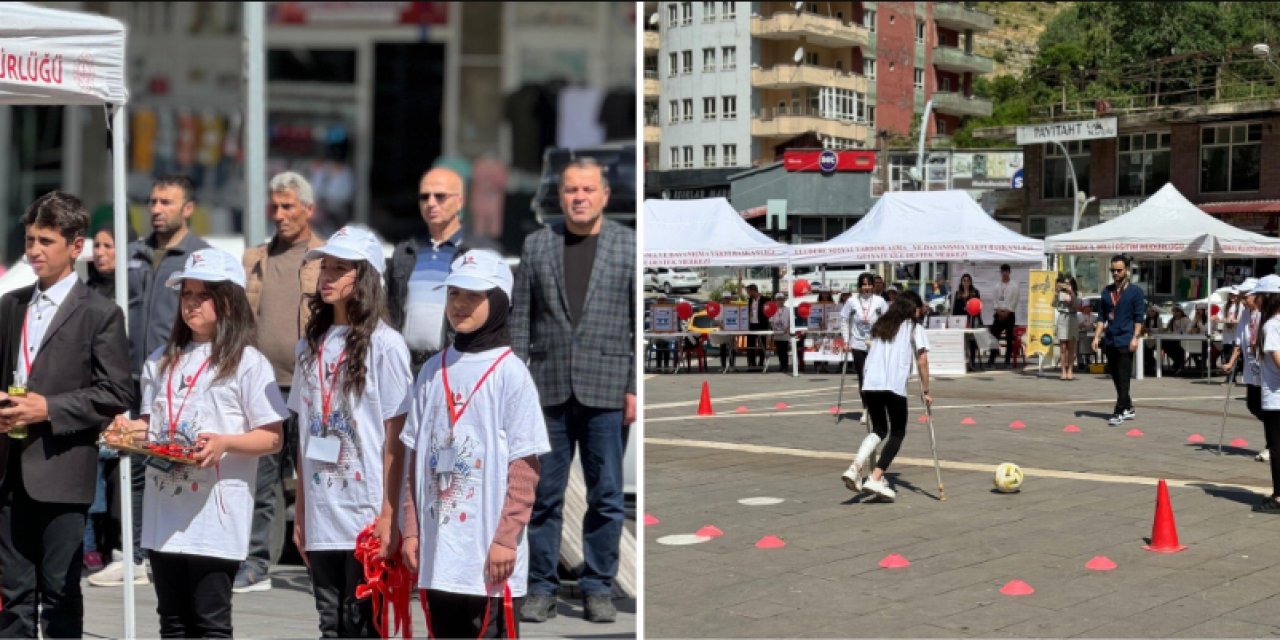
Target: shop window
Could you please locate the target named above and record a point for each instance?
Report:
(1231, 157)
(1056, 178)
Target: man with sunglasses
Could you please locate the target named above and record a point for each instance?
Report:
(421, 264)
(1120, 314)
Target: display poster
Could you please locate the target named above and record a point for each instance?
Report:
(1041, 314)
(664, 318)
(734, 317)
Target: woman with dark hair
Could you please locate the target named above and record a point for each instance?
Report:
(350, 389)
(1067, 327)
(208, 392)
(960, 307)
(1267, 350)
(897, 338)
(856, 318)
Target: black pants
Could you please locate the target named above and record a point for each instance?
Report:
(41, 550)
(1121, 365)
(755, 345)
(271, 469)
(1271, 421)
(193, 594)
(782, 347)
(1177, 354)
(1003, 327)
(1253, 400)
(888, 412)
(860, 363)
(728, 355)
(334, 578)
(460, 616)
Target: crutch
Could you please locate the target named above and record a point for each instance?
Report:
(933, 444)
(1225, 402)
(844, 364)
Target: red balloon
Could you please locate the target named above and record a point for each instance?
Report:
(769, 309)
(800, 288)
(713, 309)
(803, 310)
(973, 306)
(684, 310)
(1214, 309)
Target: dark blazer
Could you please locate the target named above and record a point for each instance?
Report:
(762, 323)
(82, 369)
(594, 361)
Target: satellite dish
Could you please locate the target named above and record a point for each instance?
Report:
(653, 19)
(799, 6)
(799, 55)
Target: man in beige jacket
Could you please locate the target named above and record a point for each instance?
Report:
(278, 266)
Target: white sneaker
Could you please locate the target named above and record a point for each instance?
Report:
(1263, 456)
(1129, 414)
(880, 488)
(113, 575)
(853, 477)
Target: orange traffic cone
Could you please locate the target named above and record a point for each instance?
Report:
(704, 406)
(1164, 533)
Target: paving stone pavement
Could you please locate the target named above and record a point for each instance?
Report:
(1086, 494)
(288, 611)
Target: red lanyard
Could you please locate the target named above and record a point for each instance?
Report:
(866, 310)
(1115, 297)
(326, 397)
(455, 413)
(175, 417)
(1253, 328)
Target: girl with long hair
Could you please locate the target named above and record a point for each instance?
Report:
(349, 390)
(1067, 327)
(211, 393)
(897, 338)
(1244, 357)
(856, 318)
(960, 307)
(1267, 350)
(474, 432)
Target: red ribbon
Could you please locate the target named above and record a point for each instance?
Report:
(387, 582)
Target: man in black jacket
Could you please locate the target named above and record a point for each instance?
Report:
(419, 265)
(65, 346)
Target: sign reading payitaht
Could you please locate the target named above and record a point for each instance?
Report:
(1066, 131)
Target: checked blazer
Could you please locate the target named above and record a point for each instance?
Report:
(595, 362)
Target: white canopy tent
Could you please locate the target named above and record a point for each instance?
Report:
(924, 226)
(54, 57)
(705, 233)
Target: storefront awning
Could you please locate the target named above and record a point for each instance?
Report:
(1248, 206)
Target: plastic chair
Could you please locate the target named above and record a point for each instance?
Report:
(700, 350)
(1019, 346)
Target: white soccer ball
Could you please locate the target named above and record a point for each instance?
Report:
(1008, 477)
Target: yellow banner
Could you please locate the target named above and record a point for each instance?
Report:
(1041, 315)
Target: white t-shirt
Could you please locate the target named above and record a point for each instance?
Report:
(205, 512)
(856, 318)
(500, 423)
(343, 498)
(889, 363)
(1230, 321)
(1244, 337)
(1270, 333)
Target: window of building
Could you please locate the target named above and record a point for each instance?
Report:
(709, 59)
(813, 58)
(1142, 164)
(920, 31)
(675, 64)
(919, 78)
(687, 58)
(686, 12)
(730, 110)
(675, 157)
(729, 58)
(1056, 177)
(730, 155)
(688, 109)
(688, 157)
(869, 68)
(871, 115)
(1230, 157)
(709, 155)
(708, 108)
(708, 11)
(946, 83)
(832, 142)
(942, 127)
(728, 10)
(674, 112)
(839, 104)
(673, 15)
(868, 19)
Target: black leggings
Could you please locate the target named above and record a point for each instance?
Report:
(193, 594)
(1271, 420)
(888, 412)
(860, 363)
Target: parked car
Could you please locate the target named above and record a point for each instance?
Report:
(672, 280)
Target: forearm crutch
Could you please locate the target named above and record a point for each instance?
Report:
(844, 364)
(1225, 402)
(933, 444)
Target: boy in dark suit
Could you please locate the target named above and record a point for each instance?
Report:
(64, 346)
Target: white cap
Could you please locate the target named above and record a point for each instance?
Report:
(779, 295)
(1246, 286)
(480, 270)
(892, 287)
(353, 243)
(1268, 284)
(209, 265)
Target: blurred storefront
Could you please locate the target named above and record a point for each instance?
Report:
(362, 97)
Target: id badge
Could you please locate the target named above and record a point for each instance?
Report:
(445, 459)
(160, 464)
(324, 449)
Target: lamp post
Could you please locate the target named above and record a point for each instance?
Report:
(1263, 50)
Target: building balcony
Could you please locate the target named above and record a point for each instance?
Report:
(789, 123)
(651, 84)
(816, 29)
(791, 76)
(953, 59)
(955, 15)
(650, 41)
(956, 104)
(652, 134)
